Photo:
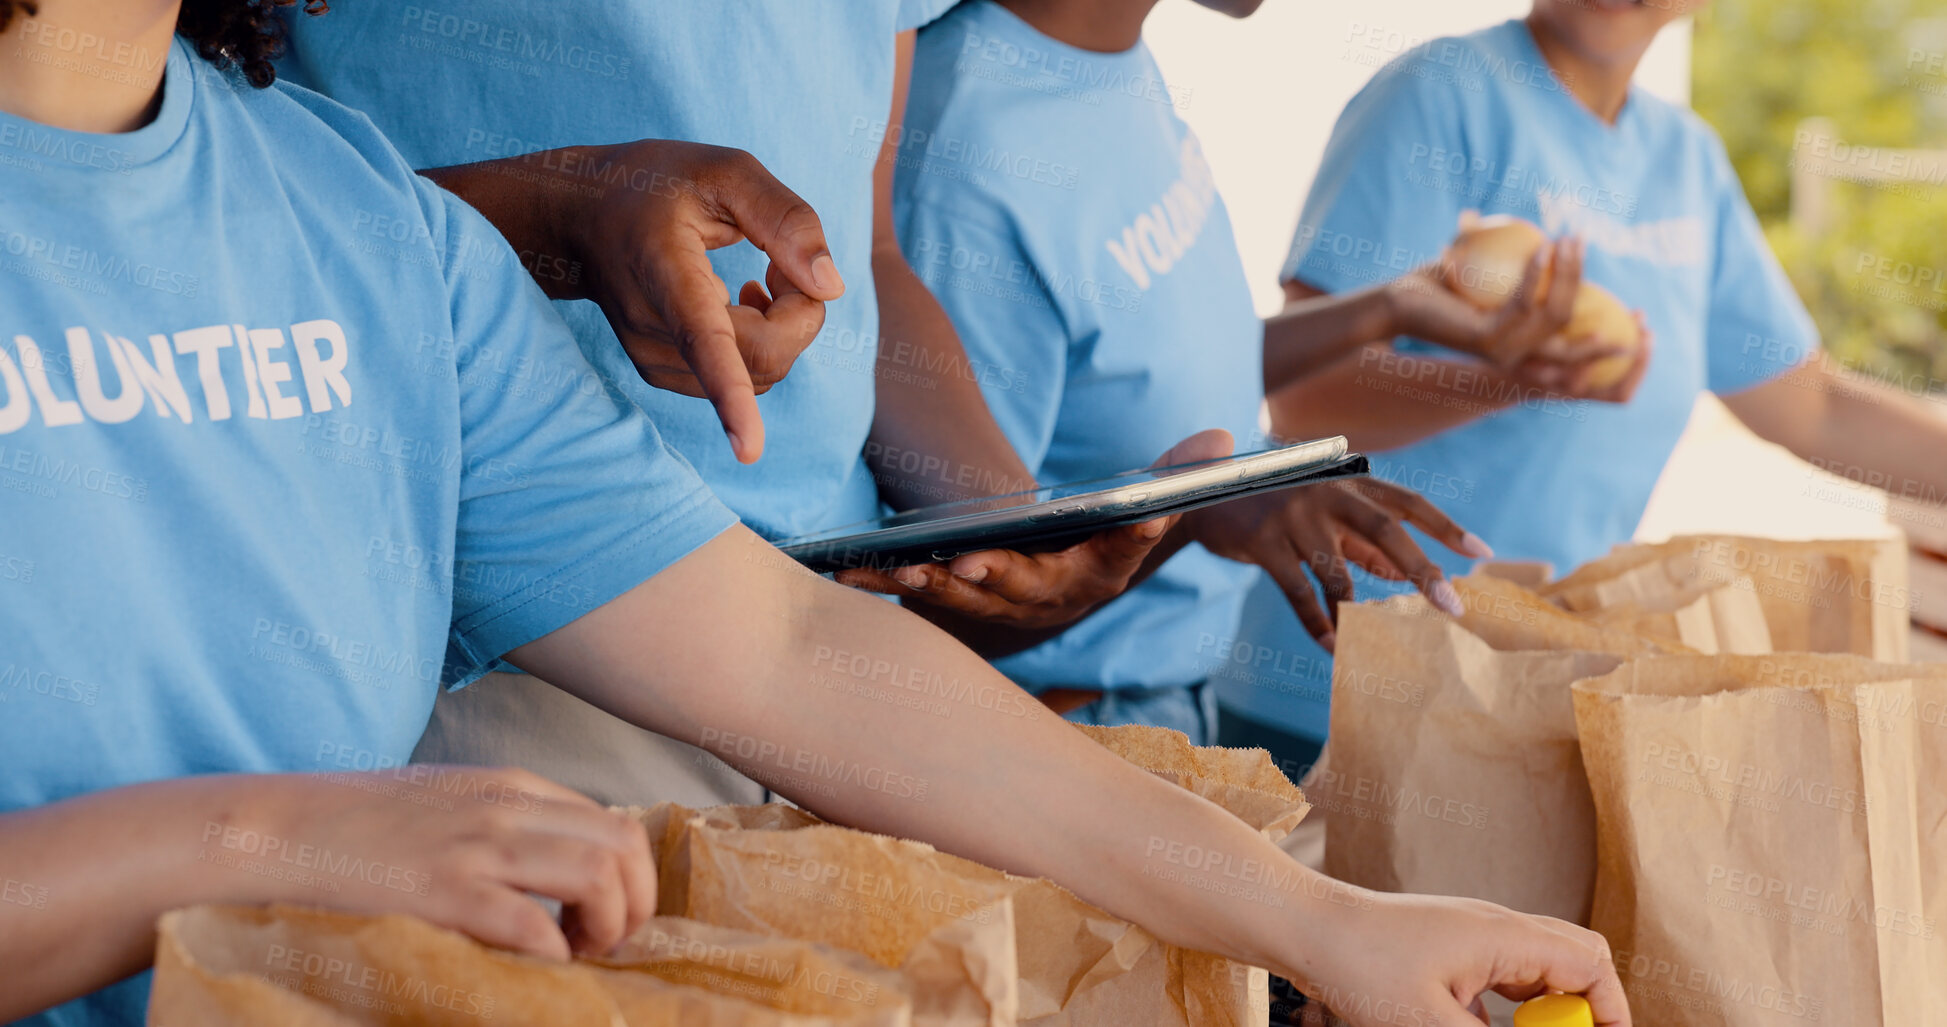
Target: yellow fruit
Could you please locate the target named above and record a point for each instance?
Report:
(1485, 266)
(1600, 315)
(1488, 259)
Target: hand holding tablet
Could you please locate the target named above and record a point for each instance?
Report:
(1055, 516)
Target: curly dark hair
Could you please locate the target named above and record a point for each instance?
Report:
(241, 34)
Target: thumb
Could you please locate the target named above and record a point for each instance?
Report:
(777, 221)
(1209, 444)
(1135, 541)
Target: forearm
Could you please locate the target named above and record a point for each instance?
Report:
(798, 672)
(933, 438)
(1853, 427)
(1310, 335)
(531, 199)
(85, 880)
(1380, 399)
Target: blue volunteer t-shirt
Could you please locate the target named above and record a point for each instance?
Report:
(276, 456)
(1481, 122)
(1067, 221)
(805, 87)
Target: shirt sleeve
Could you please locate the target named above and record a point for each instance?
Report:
(1378, 207)
(567, 497)
(914, 14)
(1758, 327)
(1015, 336)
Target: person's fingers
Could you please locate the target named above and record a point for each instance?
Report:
(1569, 256)
(1532, 292)
(1287, 569)
(638, 866)
(1581, 964)
(772, 346)
(1320, 551)
(1017, 577)
(752, 295)
(777, 221)
(1563, 957)
(1380, 528)
(526, 784)
(585, 879)
(1209, 444)
(1627, 389)
(694, 305)
(1561, 350)
(1420, 512)
(504, 918)
(872, 579)
(1364, 554)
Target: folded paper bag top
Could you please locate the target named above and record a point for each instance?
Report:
(285, 966)
(1827, 595)
(1247, 782)
(1555, 1011)
(774, 869)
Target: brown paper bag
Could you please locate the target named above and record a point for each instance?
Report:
(1454, 768)
(1706, 618)
(1833, 596)
(774, 869)
(281, 966)
(809, 980)
(1773, 838)
(779, 871)
(1244, 781)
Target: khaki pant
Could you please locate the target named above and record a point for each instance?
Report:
(521, 721)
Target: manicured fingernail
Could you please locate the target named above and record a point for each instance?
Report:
(1150, 529)
(1475, 546)
(977, 575)
(911, 577)
(1444, 596)
(1329, 641)
(824, 274)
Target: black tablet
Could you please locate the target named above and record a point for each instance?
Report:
(1056, 516)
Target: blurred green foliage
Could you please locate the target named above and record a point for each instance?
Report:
(1876, 278)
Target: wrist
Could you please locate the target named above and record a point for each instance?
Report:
(1398, 307)
(1320, 923)
(562, 259)
(241, 823)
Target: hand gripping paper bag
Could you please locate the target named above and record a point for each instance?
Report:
(283, 966)
(1453, 766)
(1773, 838)
(1828, 596)
(781, 870)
